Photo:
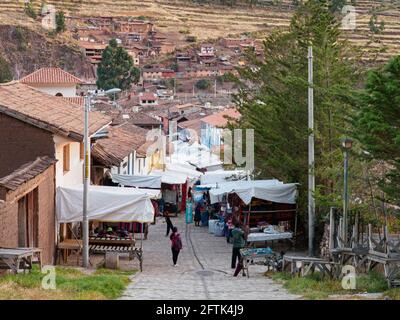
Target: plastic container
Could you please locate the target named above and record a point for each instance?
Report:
(219, 229)
(211, 225)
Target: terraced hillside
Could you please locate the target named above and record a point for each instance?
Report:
(205, 21)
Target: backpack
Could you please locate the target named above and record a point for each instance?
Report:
(177, 242)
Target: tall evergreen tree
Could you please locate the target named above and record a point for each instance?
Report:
(116, 69)
(378, 123)
(273, 101)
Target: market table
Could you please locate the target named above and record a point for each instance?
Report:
(103, 245)
(253, 255)
(20, 258)
(253, 238)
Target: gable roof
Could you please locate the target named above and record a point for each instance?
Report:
(221, 119)
(50, 75)
(47, 112)
(120, 142)
(26, 172)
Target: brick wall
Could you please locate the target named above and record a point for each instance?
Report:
(46, 212)
(21, 143)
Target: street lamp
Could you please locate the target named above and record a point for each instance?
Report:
(86, 178)
(347, 144)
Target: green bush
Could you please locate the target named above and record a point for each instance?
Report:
(29, 11)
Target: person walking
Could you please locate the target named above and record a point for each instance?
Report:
(176, 245)
(170, 226)
(238, 243)
(197, 215)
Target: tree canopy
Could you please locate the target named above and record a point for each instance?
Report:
(273, 101)
(116, 69)
(378, 123)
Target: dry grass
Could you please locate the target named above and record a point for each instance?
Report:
(210, 22)
(71, 284)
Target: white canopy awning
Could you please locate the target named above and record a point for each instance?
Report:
(270, 190)
(222, 176)
(112, 204)
(137, 181)
(170, 177)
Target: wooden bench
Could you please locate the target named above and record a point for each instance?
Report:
(17, 259)
(69, 244)
(309, 264)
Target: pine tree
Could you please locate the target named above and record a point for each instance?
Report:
(116, 69)
(378, 123)
(5, 71)
(273, 101)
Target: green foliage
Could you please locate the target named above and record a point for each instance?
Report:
(316, 286)
(378, 123)
(74, 284)
(273, 101)
(60, 22)
(373, 24)
(30, 11)
(5, 71)
(116, 69)
(203, 84)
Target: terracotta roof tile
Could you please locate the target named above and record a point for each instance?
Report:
(121, 141)
(79, 101)
(221, 119)
(26, 172)
(48, 112)
(50, 75)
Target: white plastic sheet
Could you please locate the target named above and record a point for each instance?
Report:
(137, 181)
(111, 204)
(270, 190)
(170, 177)
(222, 176)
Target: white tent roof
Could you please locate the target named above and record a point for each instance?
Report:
(170, 177)
(137, 180)
(112, 204)
(195, 154)
(271, 190)
(222, 176)
(183, 168)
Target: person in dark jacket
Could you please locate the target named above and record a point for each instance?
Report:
(176, 245)
(170, 226)
(238, 243)
(197, 215)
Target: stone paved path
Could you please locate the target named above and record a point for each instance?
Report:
(203, 272)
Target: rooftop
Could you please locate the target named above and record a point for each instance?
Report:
(50, 75)
(121, 142)
(26, 172)
(47, 112)
(221, 119)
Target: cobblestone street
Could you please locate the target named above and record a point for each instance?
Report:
(203, 270)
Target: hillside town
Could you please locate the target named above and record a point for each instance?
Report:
(251, 166)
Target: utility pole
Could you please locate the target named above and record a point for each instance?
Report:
(86, 181)
(311, 159)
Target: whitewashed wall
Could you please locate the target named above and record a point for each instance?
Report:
(75, 175)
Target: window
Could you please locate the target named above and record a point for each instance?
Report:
(59, 94)
(82, 151)
(66, 158)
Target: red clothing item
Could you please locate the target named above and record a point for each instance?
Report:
(176, 242)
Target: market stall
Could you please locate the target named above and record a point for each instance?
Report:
(266, 208)
(106, 205)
